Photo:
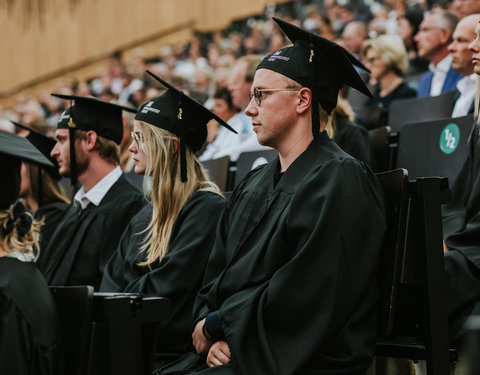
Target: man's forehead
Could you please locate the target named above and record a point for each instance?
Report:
(266, 78)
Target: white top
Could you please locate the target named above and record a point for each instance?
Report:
(96, 193)
(467, 87)
(231, 144)
(440, 72)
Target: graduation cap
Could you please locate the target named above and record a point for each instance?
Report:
(181, 115)
(14, 149)
(316, 63)
(89, 113)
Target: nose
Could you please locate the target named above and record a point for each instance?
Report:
(251, 109)
(451, 47)
(473, 47)
(133, 147)
(54, 151)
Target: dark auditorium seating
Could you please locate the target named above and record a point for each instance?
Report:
(412, 310)
(420, 151)
(403, 111)
(380, 141)
(249, 160)
(75, 306)
(218, 170)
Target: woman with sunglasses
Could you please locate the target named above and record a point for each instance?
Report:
(164, 250)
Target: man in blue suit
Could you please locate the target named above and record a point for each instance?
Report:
(433, 38)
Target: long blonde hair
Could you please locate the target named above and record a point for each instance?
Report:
(168, 192)
(11, 241)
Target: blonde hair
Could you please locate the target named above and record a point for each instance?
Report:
(168, 192)
(390, 50)
(11, 241)
(50, 188)
(343, 109)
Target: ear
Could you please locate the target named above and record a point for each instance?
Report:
(175, 145)
(90, 140)
(304, 100)
(445, 36)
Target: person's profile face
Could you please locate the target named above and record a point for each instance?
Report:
(429, 37)
(61, 152)
(137, 148)
(474, 47)
(25, 181)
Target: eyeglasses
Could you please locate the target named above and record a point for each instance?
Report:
(137, 137)
(427, 29)
(258, 94)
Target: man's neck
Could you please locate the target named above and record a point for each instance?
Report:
(292, 150)
(95, 172)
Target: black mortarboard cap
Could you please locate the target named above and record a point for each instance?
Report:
(14, 149)
(89, 113)
(181, 115)
(317, 63)
(44, 144)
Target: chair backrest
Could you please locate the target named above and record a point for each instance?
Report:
(417, 323)
(125, 334)
(380, 143)
(434, 148)
(250, 160)
(218, 170)
(394, 184)
(403, 111)
(75, 306)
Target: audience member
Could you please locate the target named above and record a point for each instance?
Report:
(353, 37)
(287, 220)
(87, 137)
(169, 237)
(461, 230)
(30, 334)
(462, 8)
(462, 63)
(39, 188)
(433, 38)
(386, 58)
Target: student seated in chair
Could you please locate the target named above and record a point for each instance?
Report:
(30, 336)
(290, 286)
(461, 230)
(165, 248)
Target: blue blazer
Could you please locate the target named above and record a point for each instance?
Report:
(450, 83)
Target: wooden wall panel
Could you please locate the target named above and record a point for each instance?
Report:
(44, 39)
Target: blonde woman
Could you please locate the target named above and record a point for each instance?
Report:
(30, 338)
(166, 246)
(386, 58)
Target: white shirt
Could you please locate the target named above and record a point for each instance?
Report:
(231, 144)
(96, 193)
(467, 87)
(440, 72)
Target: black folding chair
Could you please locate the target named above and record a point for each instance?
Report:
(125, 333)
(75, 306)
(412, 311)
(250, 160)
(403, 111)
(434, 148)
(218, 170)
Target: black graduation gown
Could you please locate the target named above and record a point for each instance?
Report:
(84, 241)
(353, 139)
(30, 336)
(178, 276)
(53, 214)
(293, 269)
(461, 230)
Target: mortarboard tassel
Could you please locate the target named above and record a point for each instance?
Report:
(315, 101)
(73, 161)
(183, 157)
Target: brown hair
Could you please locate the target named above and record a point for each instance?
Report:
(107, 149)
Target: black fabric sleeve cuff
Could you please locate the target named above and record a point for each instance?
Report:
(213, 327)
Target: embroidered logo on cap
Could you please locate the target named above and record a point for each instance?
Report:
(276, 56)
(148, 108)
(64, 116)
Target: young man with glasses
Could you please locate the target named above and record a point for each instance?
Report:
(290, 287)
(88, 134)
